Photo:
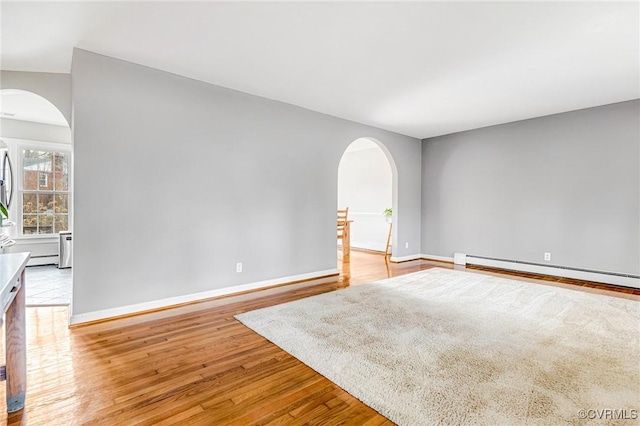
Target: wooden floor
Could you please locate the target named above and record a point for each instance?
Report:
(196, 365)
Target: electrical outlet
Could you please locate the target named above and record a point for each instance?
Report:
(239, 267)
(547, 257)
(406, 245)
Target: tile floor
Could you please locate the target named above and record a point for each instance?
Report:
(48, 285)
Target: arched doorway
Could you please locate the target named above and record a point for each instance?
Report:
(37, 137)
(367, 186)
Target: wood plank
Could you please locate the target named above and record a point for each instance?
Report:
(197, 364)
(16, 365)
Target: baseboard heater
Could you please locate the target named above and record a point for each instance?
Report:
(620, 279)
(45, 259)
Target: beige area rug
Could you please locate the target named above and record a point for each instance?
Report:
(450, 347)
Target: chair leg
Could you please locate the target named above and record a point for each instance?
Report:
(386, 250)
(346, 241)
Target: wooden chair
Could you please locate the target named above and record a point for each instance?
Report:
(343, 231)
(387, 251)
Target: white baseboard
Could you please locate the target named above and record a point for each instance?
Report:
(436, 258)
(395, 259)
(194, 297)
(369, 246)
(557, 271)
(45, 260)
(422, 256)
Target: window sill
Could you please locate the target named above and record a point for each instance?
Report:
(28, 239)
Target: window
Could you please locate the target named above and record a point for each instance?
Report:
(43, 179)
(44, 192)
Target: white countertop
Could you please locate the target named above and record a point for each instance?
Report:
(11, 265)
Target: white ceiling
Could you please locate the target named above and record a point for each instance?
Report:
(418, 68)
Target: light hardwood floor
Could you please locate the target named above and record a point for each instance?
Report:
(196, 365)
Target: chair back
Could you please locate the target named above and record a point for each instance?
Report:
(342, 220)
(343, 216)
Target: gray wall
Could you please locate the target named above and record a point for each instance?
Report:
(177, 180)
(567, 184)
(56, 88)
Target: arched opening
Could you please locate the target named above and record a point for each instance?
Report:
(367, 181)
(36, 138)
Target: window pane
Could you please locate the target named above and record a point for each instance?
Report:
(29, 224)
(61, 174)
(45, 223)
(29, 203)
(61, 223)
(45, 170)
(45, 203)
(61, 203)
(30, 169)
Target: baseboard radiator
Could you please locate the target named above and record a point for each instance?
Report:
(43, 260)
(620, 279)
(42, 253)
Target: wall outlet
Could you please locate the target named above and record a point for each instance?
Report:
(406, 245)
(239, 267)
(547, 257)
